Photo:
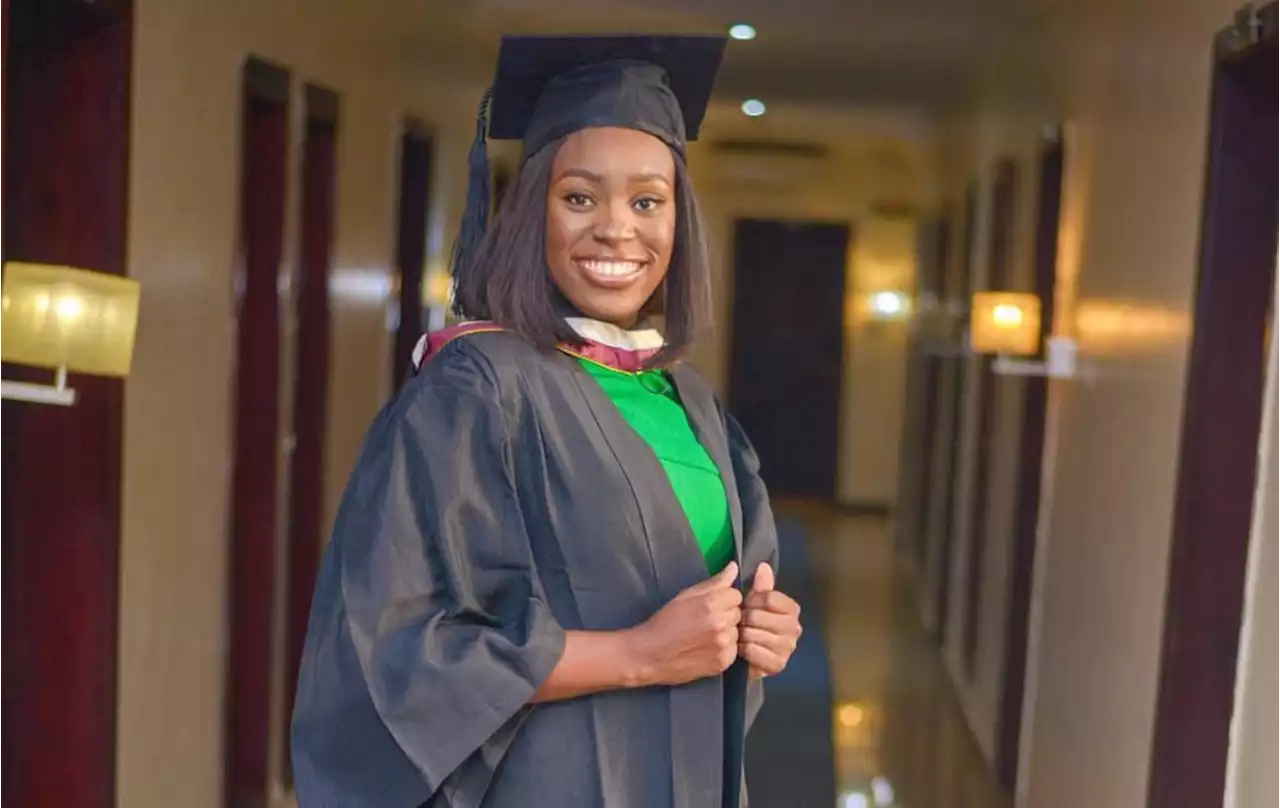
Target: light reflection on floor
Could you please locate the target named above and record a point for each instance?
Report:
(900, 739)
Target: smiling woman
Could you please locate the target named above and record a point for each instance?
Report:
(599, 220)
(611, 221)
(556, 553)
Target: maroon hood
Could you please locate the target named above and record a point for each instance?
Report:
(624, 359)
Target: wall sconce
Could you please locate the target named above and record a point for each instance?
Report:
(1008, 324)
(65, 319)
(888, 304)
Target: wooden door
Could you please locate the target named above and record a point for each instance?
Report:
(411, 244)
(958, 291)
(67, 76)
(1030, 458)
(311, 375)
(999, 277)
(256, 443)
(929, 367)
(788, 350)
(1222, 412)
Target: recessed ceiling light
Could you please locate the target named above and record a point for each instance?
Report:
(753, 107)
(741, 31)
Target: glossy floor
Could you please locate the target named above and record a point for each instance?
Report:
(900, 739)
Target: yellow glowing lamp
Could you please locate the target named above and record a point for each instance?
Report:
(850, 715)
(66, 319)
(1005, 323)
(439, 289)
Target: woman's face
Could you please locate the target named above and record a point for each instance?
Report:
(611, 221)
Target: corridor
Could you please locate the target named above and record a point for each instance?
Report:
(899, 737)
(1002, 299)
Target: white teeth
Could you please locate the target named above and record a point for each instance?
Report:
(612, 269)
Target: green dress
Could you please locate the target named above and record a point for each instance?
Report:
(649, 403)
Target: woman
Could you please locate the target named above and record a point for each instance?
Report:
(534, 594)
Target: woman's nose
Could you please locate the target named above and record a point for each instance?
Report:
(616, 223)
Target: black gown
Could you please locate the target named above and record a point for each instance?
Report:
(498, 501)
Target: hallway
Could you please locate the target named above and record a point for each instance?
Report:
(900, 739)
(1046, 348)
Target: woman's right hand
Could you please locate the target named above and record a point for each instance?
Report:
(695, 635)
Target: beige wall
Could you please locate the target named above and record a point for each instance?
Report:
(1136, 112)
(1106, 525)
(1251, 769)
(178, 416)
(874, 382)
(882, 256)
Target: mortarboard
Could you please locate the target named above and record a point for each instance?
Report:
(547, 87)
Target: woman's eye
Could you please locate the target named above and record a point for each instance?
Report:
(577, 200)
(648, 204)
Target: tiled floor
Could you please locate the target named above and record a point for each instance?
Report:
(900, 738)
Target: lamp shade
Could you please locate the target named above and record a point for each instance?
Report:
(61, 317)
(1006, 323)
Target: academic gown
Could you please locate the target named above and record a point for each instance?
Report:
(499, 501)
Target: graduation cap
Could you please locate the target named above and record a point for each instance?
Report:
(547, 87)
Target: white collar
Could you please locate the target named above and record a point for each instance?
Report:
(646, 339)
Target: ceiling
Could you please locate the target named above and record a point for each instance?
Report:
(881, 56)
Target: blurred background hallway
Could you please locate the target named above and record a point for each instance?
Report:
(994, 297)
(898, 733)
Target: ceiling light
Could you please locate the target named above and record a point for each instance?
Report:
(742, 32)
(753, 107)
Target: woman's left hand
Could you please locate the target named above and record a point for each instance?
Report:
(770, 626)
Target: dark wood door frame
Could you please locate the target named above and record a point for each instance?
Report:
(256, 430)
(1004, 193)
(1222, 411)
(929, 366)
(67, 83)
(958, 293)
(1028, 474)
(311, 376)
(411, 242)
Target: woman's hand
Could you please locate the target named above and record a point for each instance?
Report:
(770, 626)
(694, 636)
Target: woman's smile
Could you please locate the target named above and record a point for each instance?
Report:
(611, 273)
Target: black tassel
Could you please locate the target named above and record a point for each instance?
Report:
(475, 218)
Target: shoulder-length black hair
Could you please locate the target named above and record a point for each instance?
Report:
(508, 281)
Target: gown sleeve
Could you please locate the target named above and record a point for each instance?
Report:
(442, 600)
